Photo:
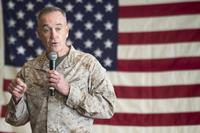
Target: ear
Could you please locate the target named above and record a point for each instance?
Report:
(67, 30)
(37, 33)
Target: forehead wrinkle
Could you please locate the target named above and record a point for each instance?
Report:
(59, 24)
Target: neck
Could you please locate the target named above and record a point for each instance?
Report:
(64, 51)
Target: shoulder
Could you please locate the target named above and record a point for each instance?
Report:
(88, 61)
(84, 57)
(28, 66)
(35, 61)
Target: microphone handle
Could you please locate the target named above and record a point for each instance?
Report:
(51, 91)
(52, 67)
(52, 64)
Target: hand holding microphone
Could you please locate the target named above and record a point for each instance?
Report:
(56, 80)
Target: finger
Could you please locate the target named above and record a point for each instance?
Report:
(19, 88)
(9, 89)
(55, 72)
(16, 94)
(54, 76)
(52, 72)
(53, 85)
(20, 82)
(14, 89)
(13, 82)
(54, 80)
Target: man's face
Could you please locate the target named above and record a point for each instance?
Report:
(53, 32)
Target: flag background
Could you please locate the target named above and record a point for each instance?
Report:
(151, 50)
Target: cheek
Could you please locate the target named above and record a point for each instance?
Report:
(44, 38)
(44, 41)
(65, 33)
(65, 36)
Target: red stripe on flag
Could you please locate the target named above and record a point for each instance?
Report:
(187, 63)
(159, 10)
(157, 37)
(157, 91)
(3, 111)
(153, 92)
(170, 119)
(5, 84)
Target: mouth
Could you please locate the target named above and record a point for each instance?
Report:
(53, 44)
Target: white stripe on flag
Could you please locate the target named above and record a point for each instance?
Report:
(159, 23)
(158, 105)
(149, 2)
(12, 72)
(146, 129)
(5, 99)
(144, 79)
(155, 78)
(158, 51)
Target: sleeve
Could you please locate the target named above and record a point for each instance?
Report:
(17, 114)
(99, 101)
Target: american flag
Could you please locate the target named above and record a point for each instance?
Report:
(151, 49)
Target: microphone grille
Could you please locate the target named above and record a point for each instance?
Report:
(52, 56)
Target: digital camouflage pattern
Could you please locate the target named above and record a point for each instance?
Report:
(91, 96)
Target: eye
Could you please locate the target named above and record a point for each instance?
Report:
(46, 30)
(58, 29)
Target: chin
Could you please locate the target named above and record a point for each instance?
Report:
(55, 49)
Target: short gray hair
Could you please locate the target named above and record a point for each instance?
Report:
(50, 9)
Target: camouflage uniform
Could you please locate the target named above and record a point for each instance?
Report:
(91, 96)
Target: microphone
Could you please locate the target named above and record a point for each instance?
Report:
(52, 65)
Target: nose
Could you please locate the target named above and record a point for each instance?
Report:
(53, 34)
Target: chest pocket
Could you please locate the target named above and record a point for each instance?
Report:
(81, 83)
(37, 90)
(37, 82)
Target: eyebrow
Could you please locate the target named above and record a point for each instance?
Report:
(59, 24)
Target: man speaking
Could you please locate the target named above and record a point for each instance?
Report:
(82, 91)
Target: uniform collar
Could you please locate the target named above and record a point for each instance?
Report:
(68, 60)
(43, 61)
